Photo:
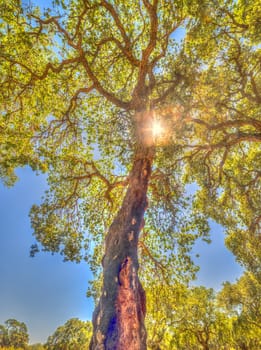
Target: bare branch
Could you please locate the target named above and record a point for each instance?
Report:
(118, 23)
(147, 252)
(97, 85)
(73, 100)
(227, 124)
(172, 88)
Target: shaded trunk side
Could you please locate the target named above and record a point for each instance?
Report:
(118, 320)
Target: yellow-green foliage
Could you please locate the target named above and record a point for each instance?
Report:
(71, 87)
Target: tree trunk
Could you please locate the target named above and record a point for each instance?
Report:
(118, 320)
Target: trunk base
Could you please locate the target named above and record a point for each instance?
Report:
(126, 328)
(130, 307)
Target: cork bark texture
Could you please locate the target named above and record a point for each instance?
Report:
(118, 320)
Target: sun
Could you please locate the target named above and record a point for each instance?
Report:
(157, 129)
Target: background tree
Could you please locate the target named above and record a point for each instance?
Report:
(37, 346)
(14, 334)
(187, 318)
(73, 335)
(3, 336)
(81, 90)
(242, 299)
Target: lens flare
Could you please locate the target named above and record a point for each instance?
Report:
(157, 129)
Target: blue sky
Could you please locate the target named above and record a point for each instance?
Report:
(43, 292)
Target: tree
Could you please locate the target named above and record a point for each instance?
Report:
(37, 346)
(3, 336)
(187, 317)
(73, 335)
(242, 299)
(14, 334)
(200, 322)
(122, 114)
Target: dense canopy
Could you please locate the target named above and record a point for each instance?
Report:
(82, 85)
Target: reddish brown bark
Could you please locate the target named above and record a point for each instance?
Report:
(130, 308)
(118, 320)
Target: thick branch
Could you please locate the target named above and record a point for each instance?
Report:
(140, 92)
(227, 124)
(96, 83)
(118, 22)
(229, 141)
